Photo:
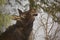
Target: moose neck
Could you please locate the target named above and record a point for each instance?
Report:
(27, 27)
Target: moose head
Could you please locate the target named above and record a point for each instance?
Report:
(26, 17)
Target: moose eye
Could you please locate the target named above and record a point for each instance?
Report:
(23, 16)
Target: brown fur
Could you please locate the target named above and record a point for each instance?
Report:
(21, 30)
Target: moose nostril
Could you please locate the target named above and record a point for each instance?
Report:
(35, 14)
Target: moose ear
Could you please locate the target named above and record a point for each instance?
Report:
(20, 12)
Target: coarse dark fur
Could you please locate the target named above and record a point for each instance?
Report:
(22, 29)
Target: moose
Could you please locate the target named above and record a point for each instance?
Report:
(23, 27)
